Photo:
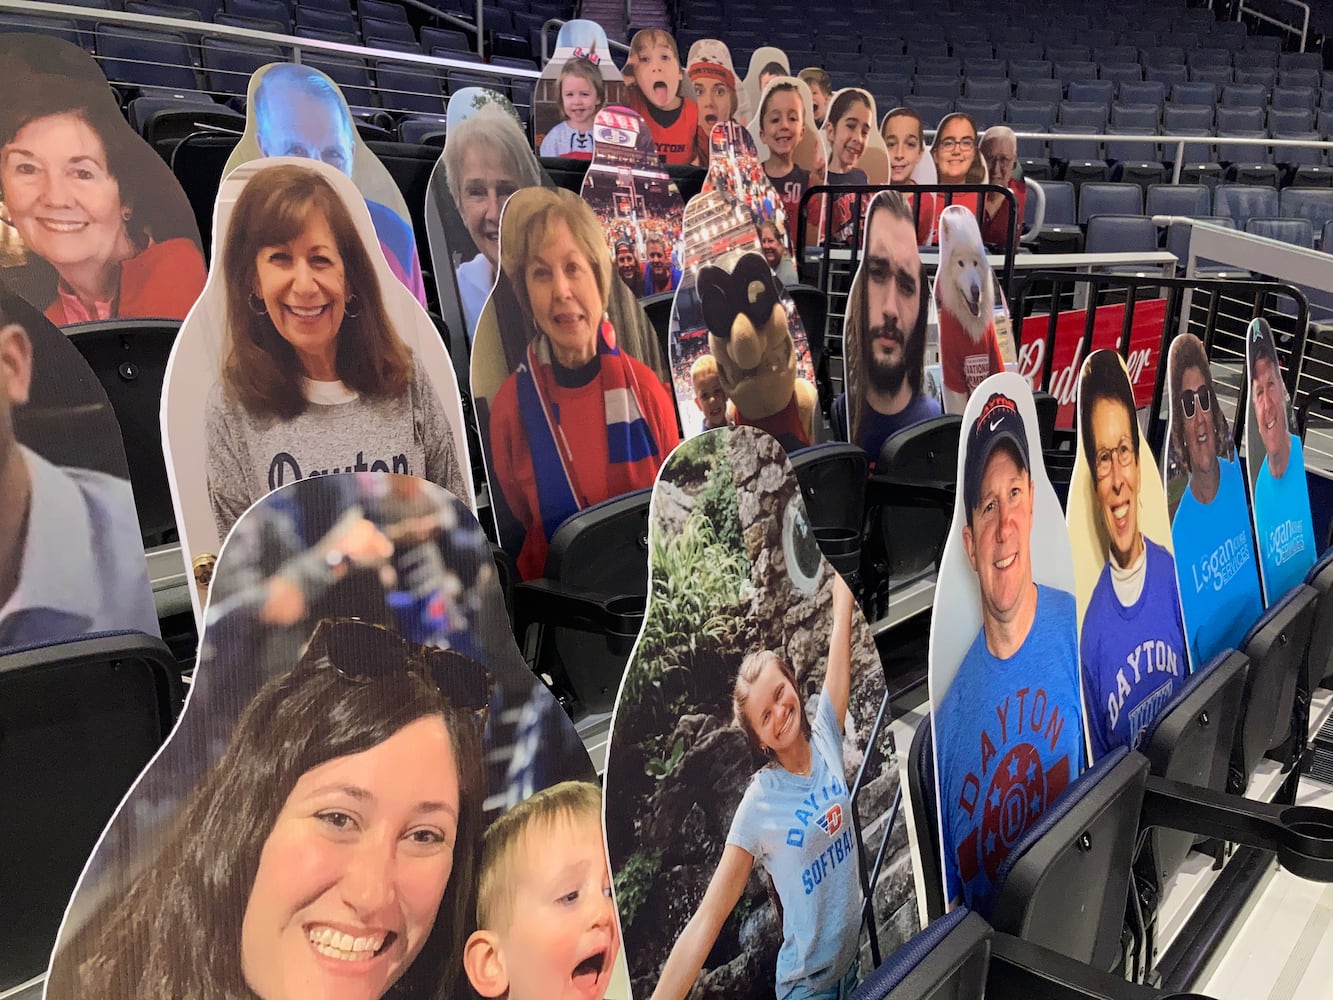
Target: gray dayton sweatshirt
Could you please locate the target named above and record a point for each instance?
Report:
(250, 456)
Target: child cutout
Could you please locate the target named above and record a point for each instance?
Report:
(709, 395)
(958, 160)
(906, 142)
(710, 50)
(762, 62)
(849, 131)
(786, 130)
(820, 930)
(656, 96)
(714, 92)
(546, 924)
(821, 90)
(582, 95)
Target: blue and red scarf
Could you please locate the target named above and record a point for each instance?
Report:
(631, 449)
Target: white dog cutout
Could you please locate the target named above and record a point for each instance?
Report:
(965, 296)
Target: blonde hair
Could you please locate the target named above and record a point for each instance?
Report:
(703, 366)
(529, 217)
(645, 39)
(751, 667)
(497, 882)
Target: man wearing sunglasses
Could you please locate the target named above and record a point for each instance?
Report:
(1219, 582)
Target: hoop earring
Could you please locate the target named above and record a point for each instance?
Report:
(257, 305)
(347, 307)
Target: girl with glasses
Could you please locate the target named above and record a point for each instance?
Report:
(1132, 643)
(957, 161)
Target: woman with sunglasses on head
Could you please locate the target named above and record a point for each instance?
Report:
(1132, 644)
(1219, 583)
(330, 851)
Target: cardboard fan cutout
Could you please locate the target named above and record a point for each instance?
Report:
(571, 407)
(975, 342)
(304, 356)
(577, 81)
(955, 155)
(1275, 464)
(98, 226)
(1006, 706)
(77, 563)
(663, 97)
(884, 332)
(1210, 519)
(720, 230)
(641, 212)
(788, 145)
(717, 89)
(1131, 638)
(750, 748)
(295, 110)
(363, 751)
(486, 159)
(766, 62)
(856, 156)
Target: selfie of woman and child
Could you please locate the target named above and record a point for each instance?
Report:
(350, 834)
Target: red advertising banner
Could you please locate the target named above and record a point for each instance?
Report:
(1145, 344)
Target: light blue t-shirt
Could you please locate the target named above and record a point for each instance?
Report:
(799, 830)
(1008, 740)
(1219, 581)
(1284, 524)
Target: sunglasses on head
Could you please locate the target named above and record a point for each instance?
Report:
(364, 653)
(1203, 395)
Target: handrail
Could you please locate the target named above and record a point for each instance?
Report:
(555, 22)
(297, 45)
(457, 22)
(1269, 19)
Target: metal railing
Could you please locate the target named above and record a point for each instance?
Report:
(1302, 33)
(289, 47)
(477, 30)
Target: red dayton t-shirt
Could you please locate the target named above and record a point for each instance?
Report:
(679, 138)
(967, 363)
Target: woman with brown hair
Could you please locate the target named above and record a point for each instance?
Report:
(315, 379)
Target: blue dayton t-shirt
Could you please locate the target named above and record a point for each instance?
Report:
(800, 831)
(1219, 583)
(1008, 739)
(1134, 658)
(1283, 522)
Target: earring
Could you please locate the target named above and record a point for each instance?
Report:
(348, 311)
(125, 214)
(257, 305)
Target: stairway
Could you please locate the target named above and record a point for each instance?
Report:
(610, 14)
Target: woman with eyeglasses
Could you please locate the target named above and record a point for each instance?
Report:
(331, 851)
(1132, 643)
(1219, 583)
(999, 148)
(957, 161)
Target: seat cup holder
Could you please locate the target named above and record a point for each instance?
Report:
(842, 548)
(624, 619)
(1305, 842)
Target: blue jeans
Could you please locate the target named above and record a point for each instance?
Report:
(845, 988)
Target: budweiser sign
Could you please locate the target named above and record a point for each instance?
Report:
(1145, 347)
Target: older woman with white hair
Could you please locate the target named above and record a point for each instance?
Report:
(486, 159)
(999, 148)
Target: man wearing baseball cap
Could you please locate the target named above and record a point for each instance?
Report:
(1008, 730)
(628, 265)
(1282, 518)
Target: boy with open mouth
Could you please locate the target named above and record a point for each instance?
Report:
(656, 96)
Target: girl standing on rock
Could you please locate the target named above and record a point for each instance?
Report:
(795, 821)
